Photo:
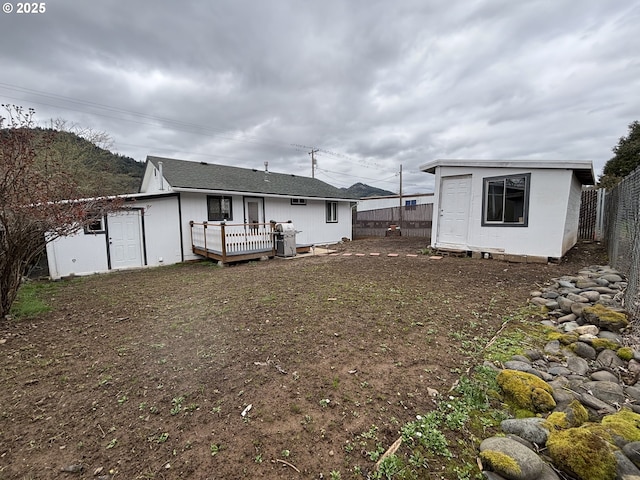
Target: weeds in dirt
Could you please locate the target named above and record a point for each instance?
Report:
(461, 418)
(160, 438)
(176, 405)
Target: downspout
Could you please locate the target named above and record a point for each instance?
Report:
(161, 176)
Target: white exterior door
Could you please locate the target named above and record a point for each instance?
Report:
(455, 201)
(125, 242)
(253, 210)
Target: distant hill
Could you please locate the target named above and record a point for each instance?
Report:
(101, 172)
(95, 170)
(361, 190)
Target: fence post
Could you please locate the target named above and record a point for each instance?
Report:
(191, 234)
(223, 239)
(204, 230)
(600, 206)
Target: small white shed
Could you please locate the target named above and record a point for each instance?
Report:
(524, 208)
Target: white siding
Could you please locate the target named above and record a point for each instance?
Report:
(310, 220)
(570, 237)
(162, 230)
(548, 201)
(86, 253)
(194, 208)
(152, 182)
(78, 254)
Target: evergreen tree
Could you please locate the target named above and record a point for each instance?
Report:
(626, 158)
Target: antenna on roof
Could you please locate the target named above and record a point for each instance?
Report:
(266, 167)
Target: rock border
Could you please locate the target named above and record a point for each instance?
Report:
(578, 397)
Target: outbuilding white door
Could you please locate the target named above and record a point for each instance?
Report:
(125, 243)
(455, 201)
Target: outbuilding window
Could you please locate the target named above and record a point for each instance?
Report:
(505, 200)
(95, 225)
(219, 208)
(332, 212)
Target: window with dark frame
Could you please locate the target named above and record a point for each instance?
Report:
(332, 212)
(298, 201)
(219, 208)
(505, 200)
(95, 226)
(410, 204)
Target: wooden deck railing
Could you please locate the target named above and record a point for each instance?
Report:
(227, 242)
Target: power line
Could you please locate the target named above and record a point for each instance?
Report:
(116, 113)
(176, 124)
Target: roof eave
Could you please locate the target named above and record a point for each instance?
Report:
(583, 169)
(245, 193)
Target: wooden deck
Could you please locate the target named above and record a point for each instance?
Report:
(229, 243)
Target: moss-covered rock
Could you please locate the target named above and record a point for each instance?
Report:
(526, 391)
(625, 424)
(625, 353)
(573, 415)
(568, 338)
(606, 318)
(500, 462)
(604, 343)
(557, 421)
(553, 335)
(582, 453)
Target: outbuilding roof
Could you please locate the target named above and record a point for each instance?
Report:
(583, 169)
(183, 174)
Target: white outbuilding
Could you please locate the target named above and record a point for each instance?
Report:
(527, 209)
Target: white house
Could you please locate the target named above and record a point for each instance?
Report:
(218, 211)
(525, 208)
(366, 204)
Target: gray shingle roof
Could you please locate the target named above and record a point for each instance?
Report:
(209, 176)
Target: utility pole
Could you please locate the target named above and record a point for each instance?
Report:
(313, 162)
(400, 198)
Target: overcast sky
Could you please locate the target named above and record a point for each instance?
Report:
(372, 84)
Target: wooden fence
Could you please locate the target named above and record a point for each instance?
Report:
(413, 221)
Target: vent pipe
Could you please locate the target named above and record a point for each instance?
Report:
(266, 167)
(161, 176)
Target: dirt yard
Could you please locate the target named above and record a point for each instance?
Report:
(248, 371)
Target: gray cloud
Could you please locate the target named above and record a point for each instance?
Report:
(373, 84)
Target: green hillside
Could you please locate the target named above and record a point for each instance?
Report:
(96, 170)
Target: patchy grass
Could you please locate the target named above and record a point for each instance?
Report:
(34, 298)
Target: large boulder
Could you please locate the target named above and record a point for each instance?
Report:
(605, 318)
(526, 391)
(582, 453)
(510, 459)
